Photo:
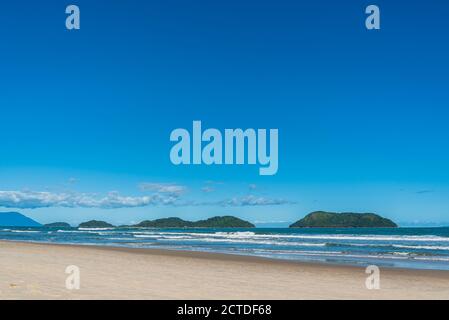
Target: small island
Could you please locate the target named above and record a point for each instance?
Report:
(323, 219)
(95, 224)
(57, 225)
(215, 222)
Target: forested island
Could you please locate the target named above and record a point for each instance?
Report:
(95, 224)
(215, 222)
(323, 219)
(317, 219)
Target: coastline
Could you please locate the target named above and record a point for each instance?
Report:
(37, 271)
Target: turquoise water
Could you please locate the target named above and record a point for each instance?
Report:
(420, 248)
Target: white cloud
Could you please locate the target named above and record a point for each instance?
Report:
(214, 182)
(169, 188)
(208, 189)
(252, 200)
(113, 200)
(73, 180)
(249, 201)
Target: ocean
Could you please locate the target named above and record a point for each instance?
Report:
(416, 248)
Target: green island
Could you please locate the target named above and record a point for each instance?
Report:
(95, 224)
(323, 219)
(215, 222)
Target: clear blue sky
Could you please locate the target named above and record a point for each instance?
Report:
(362, 115)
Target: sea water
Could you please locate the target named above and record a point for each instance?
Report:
(418, 248)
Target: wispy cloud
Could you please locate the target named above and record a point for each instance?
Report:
(214, 182)
(113, 200)
(169, 188)
(249, 201)
(211, 186)
(73, 180)
(424, 191)
(208, 189)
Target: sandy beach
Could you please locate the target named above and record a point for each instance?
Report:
(37, 271)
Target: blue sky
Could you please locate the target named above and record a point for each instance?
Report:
(86, 115)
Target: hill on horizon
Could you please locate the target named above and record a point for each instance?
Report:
(15, 219)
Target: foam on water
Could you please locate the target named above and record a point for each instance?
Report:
(413, 248)
(24, 231)
(244, 235)
(95, 229)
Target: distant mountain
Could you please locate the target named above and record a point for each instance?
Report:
(15, 219)
(215, 222)
(322, 219)
(95, 224)
(57, 225)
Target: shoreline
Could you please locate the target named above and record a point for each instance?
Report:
(221, 256)
(37, 271)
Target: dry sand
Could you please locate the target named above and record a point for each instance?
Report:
(37, 271)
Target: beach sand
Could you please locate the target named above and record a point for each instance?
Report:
(37, 271)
